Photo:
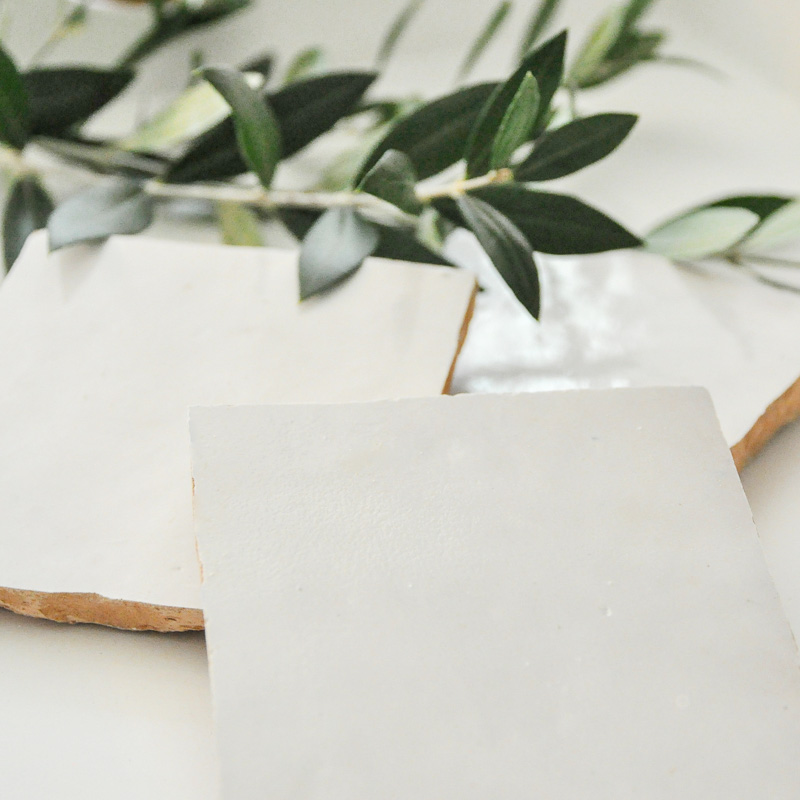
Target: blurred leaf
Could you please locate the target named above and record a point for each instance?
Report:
(546, 64)
(634, 11)
(486, 35)
(116, 206)
(262, 64)
(517, 123)
(393, 179)
(60, 97)
(395, 32)
(507, 248)
(334, 247)
(761, 204)
(596, 48)
(629, 51)
(541, 18)
(575, 146)
(304, 110)
(778, 228)
(172, 20)
(14, 111)
(702, 233)
(433, 136)
(554, 223)
(303, 65)
(27, 209)
(101, 157)
(257, 129)
(239, 224)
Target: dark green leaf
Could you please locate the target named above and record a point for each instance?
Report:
(393, 179)
(542, 15)
(303, 65)
(546, 64)
(101, 157)
(486, 35)
(262, 64)
(507, 247)
(575, 146)
(395, 32)
(116, 206)
(61, 97)
(14, 111)
(304, 110)
(634, 11)
(517, 123)
(433, 136)
(763, 205)
(257, 131)
(172, 20)
(334, 247)
(27, 209)
(556, 223)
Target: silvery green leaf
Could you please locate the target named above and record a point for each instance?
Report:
(334, 247)
(779, 228)
(115, 206)
(597, 47)
(539, 21)
(486, 35)
(393, 179)
(304, 65)
(257, 130)
(27, 209)
(518, 121)
(239, 225)
(700, 234)
(395, 32)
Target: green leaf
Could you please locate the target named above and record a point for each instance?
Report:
(304, 110)
(334, 247)
(508, 249)
(395, 32)
(761, 204)
(778, 228)
(60, 97)
(517, 123)
(393, 179)
(486, 35)
(634, 11)
(702, 233)
(102, 158)
(14, 111)
(27, 209)
(303, 65)
(575, 146)
(630, 50)
(546, 64)
(556, 223)
(257, 130)
(433, 135)
(596, 48)
(261, 64)
(239, 224)
(539, 21)
(116, 206)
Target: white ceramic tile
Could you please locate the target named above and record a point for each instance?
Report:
(102, 352)
(556, 595)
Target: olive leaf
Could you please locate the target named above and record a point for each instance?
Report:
(14, 110)
(488, 32)
(27, 209)
(239, 225)
(395, 33)
(575, 146)
(634, 10)
(303, 65)
(507, 248)
(334, 247)
(762, 204)
(517, 123)
(433, 135)
(60, 97)
(393, 179)
(701, 233)
(540, 19)
(257, 130)
(262, 64)
(546, 64)
(101, 157)
(304, 110)
(115, 206)
(779, 227)
(557, 223)
(596, 48)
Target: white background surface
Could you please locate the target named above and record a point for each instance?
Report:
(99, 713)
